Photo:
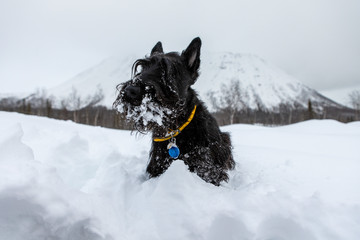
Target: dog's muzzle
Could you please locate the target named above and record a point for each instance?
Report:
(133, 95)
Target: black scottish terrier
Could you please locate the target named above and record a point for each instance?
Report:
(159, 98)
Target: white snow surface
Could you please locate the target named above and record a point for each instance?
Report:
(61, 180)
(265, 84)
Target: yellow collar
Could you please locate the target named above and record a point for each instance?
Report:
(174, 133)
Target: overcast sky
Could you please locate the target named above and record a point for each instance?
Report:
(46, 42)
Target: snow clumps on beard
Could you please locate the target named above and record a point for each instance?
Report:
(146, 115)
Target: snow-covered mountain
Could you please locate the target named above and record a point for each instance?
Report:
(265, 85)
(105, 76)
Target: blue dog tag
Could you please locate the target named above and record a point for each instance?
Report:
(174, 151)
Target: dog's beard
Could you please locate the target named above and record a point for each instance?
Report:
(148, 116)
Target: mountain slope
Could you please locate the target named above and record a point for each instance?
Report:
(106, 75)
(265, 85)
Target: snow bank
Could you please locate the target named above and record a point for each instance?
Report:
(60, 180)
(34, 202)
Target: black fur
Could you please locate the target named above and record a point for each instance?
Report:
(161, 88)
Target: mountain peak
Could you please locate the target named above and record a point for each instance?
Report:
(266, 86)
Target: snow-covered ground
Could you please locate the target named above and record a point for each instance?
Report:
(61, 180)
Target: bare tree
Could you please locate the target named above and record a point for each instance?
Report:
(230, 100)
(43, 102)
(91, 102)
(74, 103)
(354, 97)
(79, 105)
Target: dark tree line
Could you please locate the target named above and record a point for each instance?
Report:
(283, 116)
(74, 108)
(229, 108)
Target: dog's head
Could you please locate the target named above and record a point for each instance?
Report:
(158, 91)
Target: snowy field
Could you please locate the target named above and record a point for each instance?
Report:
(61, 180)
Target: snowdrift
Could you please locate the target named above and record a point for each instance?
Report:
(61, 180)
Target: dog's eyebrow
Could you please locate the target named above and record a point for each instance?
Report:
(139, 63)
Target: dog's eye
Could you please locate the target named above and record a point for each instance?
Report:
(149, 89)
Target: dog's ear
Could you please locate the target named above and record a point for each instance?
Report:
(157, 49)
(191, 57)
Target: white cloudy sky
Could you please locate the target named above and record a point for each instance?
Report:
(45, 42)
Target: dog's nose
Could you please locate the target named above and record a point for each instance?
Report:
(133, 92)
